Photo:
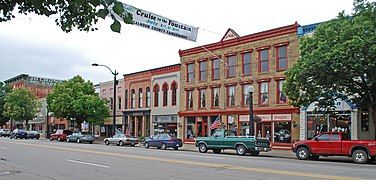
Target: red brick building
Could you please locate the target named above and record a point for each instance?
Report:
(215, 79)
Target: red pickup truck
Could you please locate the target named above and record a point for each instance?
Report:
(335, 144)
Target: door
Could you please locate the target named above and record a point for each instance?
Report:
(321, 144)
(216, 139)
(336, 144)
(153, 142)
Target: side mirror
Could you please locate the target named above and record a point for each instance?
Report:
(216, 135)
(316, 139)
(151, 137)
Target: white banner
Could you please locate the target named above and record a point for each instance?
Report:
(161, 24)
(281, 117)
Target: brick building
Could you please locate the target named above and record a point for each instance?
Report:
(215, 79)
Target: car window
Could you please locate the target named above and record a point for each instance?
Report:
(335, 137)
(324, 137)
(217, 133)
(230, 133)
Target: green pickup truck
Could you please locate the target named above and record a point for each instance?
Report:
(227, 139)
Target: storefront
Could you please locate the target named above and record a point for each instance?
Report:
(198, 127)
(137, 123)
(165, 124)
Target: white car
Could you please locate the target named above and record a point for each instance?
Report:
(121, 140)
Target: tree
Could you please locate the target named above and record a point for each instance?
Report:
(4, 90)
(79, 14)
(338, 61)
(76, 99)
(21, 105)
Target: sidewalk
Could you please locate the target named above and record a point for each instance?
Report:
(273, 153)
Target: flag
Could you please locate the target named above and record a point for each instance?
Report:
(216, 124)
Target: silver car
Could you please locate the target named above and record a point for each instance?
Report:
(121, 140)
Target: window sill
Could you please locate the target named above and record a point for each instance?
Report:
(280, 70)
(215, 107)
(263, 105)
(282, 104)
(262, 73)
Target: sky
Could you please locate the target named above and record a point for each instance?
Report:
(34, 45)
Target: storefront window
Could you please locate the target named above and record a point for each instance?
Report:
(232, 123)
(340, 123)
(282, 132)
(316, 125)
(191, 128)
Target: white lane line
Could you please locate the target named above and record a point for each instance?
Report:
(3, 148)
(91, 164)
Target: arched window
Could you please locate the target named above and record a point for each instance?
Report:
(156, 95)
(165, 93)
(148, 96)
(174, 89)
(140, 101)
(133, 99)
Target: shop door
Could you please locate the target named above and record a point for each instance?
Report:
(266, 130)
(204, 132)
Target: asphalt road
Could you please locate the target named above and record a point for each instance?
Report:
(41, 159)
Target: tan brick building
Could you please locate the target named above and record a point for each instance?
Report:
(215, 79)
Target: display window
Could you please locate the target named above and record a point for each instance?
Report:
(282, 132)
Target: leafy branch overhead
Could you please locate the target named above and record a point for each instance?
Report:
(80, 14)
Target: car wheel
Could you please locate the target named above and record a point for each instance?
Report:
(217, 151)
(176, 148)
(133, 144)
(255, 153)
(241, 150)
(163, 146)
(302, 153)
(78, 140)
(90, 142)
(106, 142)
(59, 139)
(146, 145)
(360, 156)
(202, 148)
(10, 137)
(51, 139)
(37, 137)
(314, 157)
(121, 143)
(68, 140)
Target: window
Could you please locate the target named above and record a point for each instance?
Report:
(264, 93)
(215, 73)
(190, 72)
(335, 137)
(111, 104)
(246, 99)
(264, 60)
(231, 66)
(165, 93)
(126, 99)
(282, 132)
(247, 64)
(231, 96)
(282, 58)
(203, 71)
(133, 99)
(215, 97)
(189, 99)
(174, 88)
(156, 95)
(140, 98)
(148, 97)
(323, 137)
(202, 98)
(364, 120)
(119, 102)
(281, 97)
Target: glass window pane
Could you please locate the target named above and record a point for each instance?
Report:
(282, 64)
(247, 69)
(247, 58)
(282, 52)
(264, 55)
(282, 132)
(264, 66)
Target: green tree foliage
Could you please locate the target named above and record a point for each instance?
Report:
(80, 14)
(4, 90)
(21, 105)
(338, 61)
(76, 99)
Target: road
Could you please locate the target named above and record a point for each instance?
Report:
(41, 159)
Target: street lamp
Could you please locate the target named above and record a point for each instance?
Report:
(114, 98)
(250, 91)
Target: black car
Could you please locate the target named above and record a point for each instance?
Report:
(18, 133)
(33, 134)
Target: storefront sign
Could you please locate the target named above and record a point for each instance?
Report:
(281, 117)
(265, 117)
(165, 119)
(161, 24)
(244, 118)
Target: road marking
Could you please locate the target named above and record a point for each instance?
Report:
(3, 148)
(195, 163)
(91, 164)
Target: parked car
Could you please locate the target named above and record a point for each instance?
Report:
(33, 134)
(227, 139)
(335, 144)
(60, 135)
(80, 137)
(121, 140)
(163, 141)
(5, 132)
(18, 133)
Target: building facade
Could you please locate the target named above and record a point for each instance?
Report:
(165, 100)
(106, 91)
(216, 80)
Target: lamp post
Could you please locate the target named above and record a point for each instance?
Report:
(250, 91)
(114, 98)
